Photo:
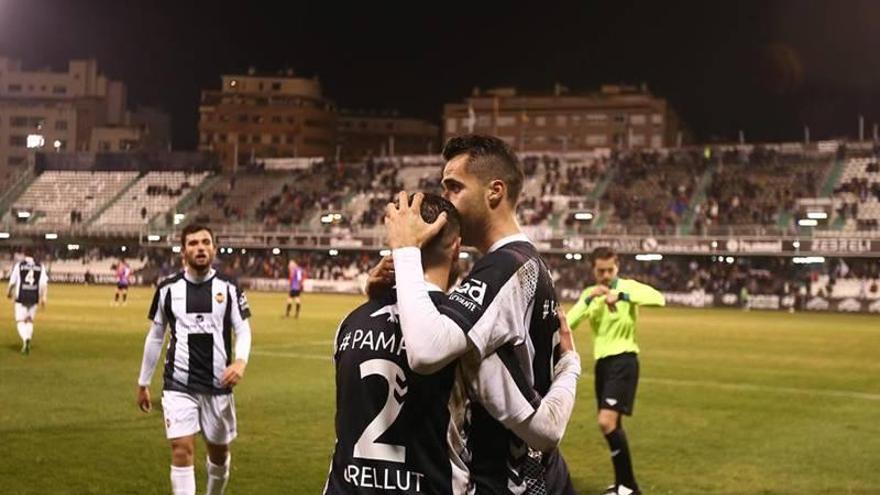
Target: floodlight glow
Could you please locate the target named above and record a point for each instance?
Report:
(808, 260)
(807, 222)
(51, 236)
(583, 216)
(817, 215)
(385, 252)
(649, 257)
(35, 141)
(333, 252)
(154, 237)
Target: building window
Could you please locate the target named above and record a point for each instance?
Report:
(242, 138)
(619, 118)
(483, 121)
(576, 120)
(291, 139)
(540, 121)
(222, 137)
(506, 121)
(276, 119)
(14, 88)
(451, 125)
(18, 141)
(276, 139)
(276, 86)
(638, 119)
(15, 160)
(242, 117)
(656, 141)
(596, 118)
(597, 139)
(637, 140)
(59, 90)
(561, 120)
(255, 138)
(103, 145)
(60, 125)
(224, 118)
(18, 121)
(657, 119)
(258, 119)
(291, 120)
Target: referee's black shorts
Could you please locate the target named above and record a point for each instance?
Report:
(616, 380)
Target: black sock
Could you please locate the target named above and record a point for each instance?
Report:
(623, 470)
(125, 297)
(116, 297)
(288, 310)
(297, 310)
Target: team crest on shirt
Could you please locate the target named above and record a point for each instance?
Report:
(219, 297)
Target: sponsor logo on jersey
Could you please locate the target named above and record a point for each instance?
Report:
(390, 310)
(474, 290)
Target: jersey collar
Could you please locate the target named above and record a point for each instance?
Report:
(500, 243)
(189, 278)
(614, 282)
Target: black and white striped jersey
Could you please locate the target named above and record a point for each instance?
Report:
(28, 278)
(201, 318)
(506, 303)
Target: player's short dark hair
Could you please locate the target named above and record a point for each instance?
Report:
(489, 158)
(192, 229)
(434, 251)
(603, 253)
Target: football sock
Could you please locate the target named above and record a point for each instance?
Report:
(623, 470)
(22, 331)
(183, 480)
(288, 309)
(218, 476)
(297, 310)
(28, 330)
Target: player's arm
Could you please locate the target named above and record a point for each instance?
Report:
(641, 294)
(44, 287)
(241, 314)
(432, 339)
(502, 389)
(583, 308)
(152, 351)
(13, 281)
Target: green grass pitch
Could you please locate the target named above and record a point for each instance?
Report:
(729, 403)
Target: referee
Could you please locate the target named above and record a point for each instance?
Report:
(611, 307)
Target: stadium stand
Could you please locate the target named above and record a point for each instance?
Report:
(65, 197)
(857, 197)
(153, 194)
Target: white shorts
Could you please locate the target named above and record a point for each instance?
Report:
(23, 312)
(187, 414)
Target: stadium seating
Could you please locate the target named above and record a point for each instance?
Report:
(153, 194)
(55, 194)
(857, 197)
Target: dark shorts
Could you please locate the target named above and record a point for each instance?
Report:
(616, 380)
(556, 474)
(295, 292)
(122, 286)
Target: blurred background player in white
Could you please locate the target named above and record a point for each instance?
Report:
(123, 280)
(296, 276)
(28, 284)
(201, 308)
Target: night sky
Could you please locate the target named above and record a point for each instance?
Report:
(767, 67)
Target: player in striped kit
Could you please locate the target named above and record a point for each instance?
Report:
(296, 278)
(28, 285)
(202, 310)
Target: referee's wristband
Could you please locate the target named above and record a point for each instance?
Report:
(623, 296)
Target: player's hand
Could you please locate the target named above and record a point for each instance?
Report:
(380, 279)
(599, 290)
(405, 225)
(144, 401)
(233, 374)
(566, 339)
(611, 300)
(43, 304)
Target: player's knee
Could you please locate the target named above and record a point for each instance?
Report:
(182, 453)
(218, 453)
(607, 423)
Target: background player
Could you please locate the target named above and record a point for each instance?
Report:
(123, 280)
(296, 277)
(201, 309)
(611, 306)
(28, 284)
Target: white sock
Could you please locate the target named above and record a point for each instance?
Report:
(183, 480)
(22, 330)
(29, 330)
(218, 476)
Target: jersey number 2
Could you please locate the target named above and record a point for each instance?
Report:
(367, 446)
